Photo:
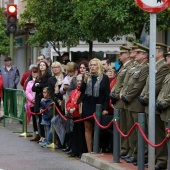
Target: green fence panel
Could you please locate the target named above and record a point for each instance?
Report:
(14, 101)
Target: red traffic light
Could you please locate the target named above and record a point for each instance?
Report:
(12, 9)
(12, 18)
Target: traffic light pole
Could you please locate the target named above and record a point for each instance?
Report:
(12, 46)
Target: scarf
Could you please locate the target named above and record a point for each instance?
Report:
(59, 81)
(96, 86)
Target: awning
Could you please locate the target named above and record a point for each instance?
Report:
(96, 48)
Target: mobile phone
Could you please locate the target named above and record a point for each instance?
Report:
(87, 69)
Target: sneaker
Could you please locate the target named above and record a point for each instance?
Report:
(50, 145)
(44, 141)
(45, 144)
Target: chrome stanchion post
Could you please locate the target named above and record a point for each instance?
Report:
(25, 134)
(53, 145)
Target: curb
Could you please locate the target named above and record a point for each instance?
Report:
(99, 163)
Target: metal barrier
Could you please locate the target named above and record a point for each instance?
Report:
(14, 101)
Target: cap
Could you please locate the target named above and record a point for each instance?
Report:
(34, 69)
(142, 48)
(124, 49)
(161, 45)
(7, 59)
(168, 53)
(134, 46)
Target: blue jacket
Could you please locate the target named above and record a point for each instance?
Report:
(47, 115)
(11, 78)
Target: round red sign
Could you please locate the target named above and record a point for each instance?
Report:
(153, 6)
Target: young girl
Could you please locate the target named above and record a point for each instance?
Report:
(46, 115)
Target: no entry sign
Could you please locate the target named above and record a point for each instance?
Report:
(153, 6)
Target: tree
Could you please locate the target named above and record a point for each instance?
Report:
(53, 20)
(115, 18)
(4, 39)
(67, 21)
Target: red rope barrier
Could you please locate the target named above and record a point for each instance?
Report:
(116, 124)
(149, 142)
(143, 134)
(80, 120)
(39, 113)
(101, 126)
(64, 118)
(122, 134)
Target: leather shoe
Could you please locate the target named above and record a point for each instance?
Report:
(125, 157)
(157, 167)
(59, 147)
(79, 156)
(66, 149)
(135, 163)
(72, 155)
(146, 165)
(131, 160)
(69, 152)
(122, 154)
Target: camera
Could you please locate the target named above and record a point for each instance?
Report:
(87, 69)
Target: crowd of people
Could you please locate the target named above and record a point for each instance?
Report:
(77, 88)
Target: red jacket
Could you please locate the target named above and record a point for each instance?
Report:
(1, 86)
(24, 78)
(72, 100)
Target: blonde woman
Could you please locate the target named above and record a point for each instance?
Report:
(96, 90)
(55, 82)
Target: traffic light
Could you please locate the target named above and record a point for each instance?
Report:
(12, 18)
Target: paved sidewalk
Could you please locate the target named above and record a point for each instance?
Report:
(104, 161)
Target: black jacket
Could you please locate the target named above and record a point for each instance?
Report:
(51, 84)
(39, 91)
(91, 101)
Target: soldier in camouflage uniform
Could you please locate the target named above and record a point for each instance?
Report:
(134, 88)
(115, 94)
(161, 71)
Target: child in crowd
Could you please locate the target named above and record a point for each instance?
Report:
(30, 96)
(47, 114)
